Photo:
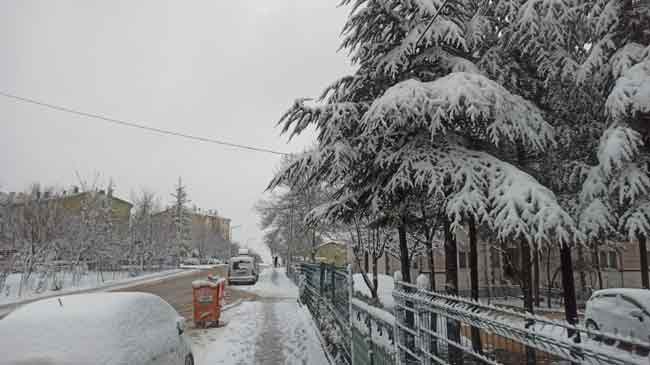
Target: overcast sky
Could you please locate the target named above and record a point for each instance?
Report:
(220, 69)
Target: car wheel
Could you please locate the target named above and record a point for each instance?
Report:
(189, 360)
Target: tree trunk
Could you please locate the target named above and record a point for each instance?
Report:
(599, 273)
(366, 261)
(404, 254)
(645, 282)
(538, 299)
(432, 267)
(569, 291)
(433, 318)
(549, 280)
(451, 263)
(375, 280)
(473, 266)
(387, 263)
(451, 287)
(312, 255)
(486, 269)
(527, 289)
(581, 269)
(406, 277)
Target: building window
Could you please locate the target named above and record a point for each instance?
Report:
(608, 260)
(462, 260)
(613, 260)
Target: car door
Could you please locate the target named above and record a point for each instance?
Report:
(165, 333)
(603, 312)
(635, 321)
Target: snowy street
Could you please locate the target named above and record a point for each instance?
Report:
(272, 329)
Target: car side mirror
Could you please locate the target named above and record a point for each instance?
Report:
(637, 314)
(180, 325)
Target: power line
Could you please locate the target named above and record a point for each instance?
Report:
(137, 125)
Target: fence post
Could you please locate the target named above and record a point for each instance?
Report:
(322, 279)
(350, 314)
(371, 353)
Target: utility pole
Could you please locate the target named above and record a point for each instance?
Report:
(290, 243)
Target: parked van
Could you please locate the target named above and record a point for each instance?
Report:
(242, 270)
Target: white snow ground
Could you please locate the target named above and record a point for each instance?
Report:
(89, 280)
(273, 330)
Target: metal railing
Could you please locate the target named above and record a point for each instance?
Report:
(446, 329)
(324, 289)
(372, 335)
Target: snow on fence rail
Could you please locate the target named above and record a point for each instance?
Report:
(324, 290)
(373, 336)
(446, 329)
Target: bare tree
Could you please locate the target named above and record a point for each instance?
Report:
(144, 243)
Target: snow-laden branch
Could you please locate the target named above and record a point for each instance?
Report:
(443, 31)
(522, 207)
(617, 179)
(596, 218)
(618, 145)
(330, 119)
(472, 101)
(637, 220)
(631, 95)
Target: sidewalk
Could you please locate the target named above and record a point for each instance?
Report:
(274, 329)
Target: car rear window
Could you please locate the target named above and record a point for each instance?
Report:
(239, 265)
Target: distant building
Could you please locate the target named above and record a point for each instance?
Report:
(210, 233)
(71, 204)
(332, 253)
(499, 267)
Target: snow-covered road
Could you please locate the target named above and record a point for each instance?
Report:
(275, 329)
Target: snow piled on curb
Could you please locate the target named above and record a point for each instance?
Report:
(90, 282)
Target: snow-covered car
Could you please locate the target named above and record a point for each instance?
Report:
(101, 328)
(191, 261)
(243, 270)
(622, 311)
(214, 261)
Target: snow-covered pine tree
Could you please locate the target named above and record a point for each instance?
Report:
(421, 117)
(181, 220)
(547, 43)
(617, 187)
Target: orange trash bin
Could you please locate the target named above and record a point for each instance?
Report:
(207, 299)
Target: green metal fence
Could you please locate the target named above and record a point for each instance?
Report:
(373, 340)
(352, 334)
(324, 289)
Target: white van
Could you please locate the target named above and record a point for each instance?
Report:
(242, 270)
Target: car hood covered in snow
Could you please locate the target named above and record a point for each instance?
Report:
(102, 329)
